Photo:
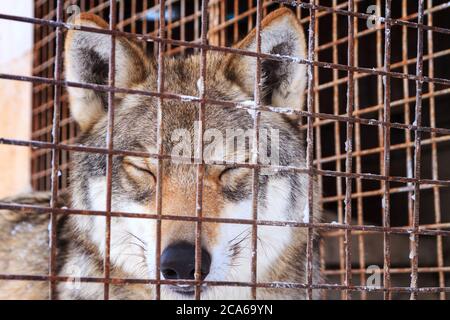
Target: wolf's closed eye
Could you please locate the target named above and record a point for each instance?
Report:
(231, 171)
(231, 175)
(138, 171)
(227, 171)
(142, 169)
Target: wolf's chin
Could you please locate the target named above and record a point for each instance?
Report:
(184, 291)
(181, 293)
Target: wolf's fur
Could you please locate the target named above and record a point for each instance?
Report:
(282, 195)
(24, 246)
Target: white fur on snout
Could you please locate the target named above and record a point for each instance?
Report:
(273, 240)
(125, 249)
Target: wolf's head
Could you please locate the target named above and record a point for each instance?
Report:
(227, 192)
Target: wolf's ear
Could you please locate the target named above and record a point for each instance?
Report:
(86, 61)
(283, 83)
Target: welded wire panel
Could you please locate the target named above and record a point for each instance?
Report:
(376, 130)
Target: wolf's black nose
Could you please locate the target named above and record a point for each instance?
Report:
(178, 261)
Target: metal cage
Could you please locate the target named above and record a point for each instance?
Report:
(379, 76)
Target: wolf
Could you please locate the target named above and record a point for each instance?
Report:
(226, 248)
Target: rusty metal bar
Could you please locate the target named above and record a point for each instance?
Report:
(378, 192)
(183, 25)
(201, 163)
(434, 155)
(293, 224)
(256, 114)
(159, 134)
(235, 25)
(55, 152)
(394, 271)
(359, 203)
(414, 255)
(287, 285)
(357, 146)
(110, 146)
(318, 137)
(337, 142)
(349, 149)
(409, 161)
(310, 152)
(386, 201)
(169, 22)
(196, 22)
(221, 16)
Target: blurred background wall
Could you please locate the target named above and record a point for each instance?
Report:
(16, 43)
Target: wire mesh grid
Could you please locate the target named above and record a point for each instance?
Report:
(374, 84)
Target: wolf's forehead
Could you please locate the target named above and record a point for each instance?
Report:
(179, 120)
(228, 133)
(140, 112)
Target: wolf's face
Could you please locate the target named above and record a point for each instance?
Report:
(227, 189)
